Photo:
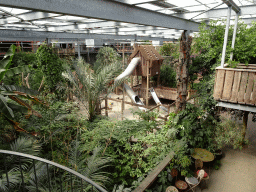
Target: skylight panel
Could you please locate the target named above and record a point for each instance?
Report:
(183, 3)
(197, 8)
(167, 11)
(14, 10)
(68, 17)
(149, 6)
(132, 2)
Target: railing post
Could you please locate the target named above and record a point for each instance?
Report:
(225, 38)
(71, 182)
(35, 175)
(234, 36)
(48, 175)
(21, 175)
(6, 172)
(60, 184)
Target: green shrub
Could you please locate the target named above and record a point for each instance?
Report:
(50, 65)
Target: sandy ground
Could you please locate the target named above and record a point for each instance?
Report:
(115, 111)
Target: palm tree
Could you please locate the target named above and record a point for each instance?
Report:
(22, 145)
(91, 84)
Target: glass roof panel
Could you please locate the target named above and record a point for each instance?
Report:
(196, 8)
(149, 6)
(14, 10)
(183, 3)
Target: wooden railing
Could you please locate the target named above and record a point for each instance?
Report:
(236, 85)
(67, 51)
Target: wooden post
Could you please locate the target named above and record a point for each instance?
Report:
(106, 106)
(182, 71)
(88, 55)
(122, 106)
(158, 80)
(147, 84)
(245, 121)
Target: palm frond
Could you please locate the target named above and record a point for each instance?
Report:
(14, 180)
(95, 164)
(4, 108)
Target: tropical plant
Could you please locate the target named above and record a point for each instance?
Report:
(170, 49)
(50, 65)
(91, 85)
(22, 145)
(168, 76)
(9, 94)
(106, 56)
(228, 132)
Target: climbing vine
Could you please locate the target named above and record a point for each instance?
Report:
(51, 66)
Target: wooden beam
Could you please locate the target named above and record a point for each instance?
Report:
(153, 175)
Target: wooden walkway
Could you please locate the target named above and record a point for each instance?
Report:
(153, 175)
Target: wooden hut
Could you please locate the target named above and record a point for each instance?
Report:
(149, 66)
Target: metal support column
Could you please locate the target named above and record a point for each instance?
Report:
(226, 37)
(78, 50)
(234, 37)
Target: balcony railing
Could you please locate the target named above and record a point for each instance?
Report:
(85, 183)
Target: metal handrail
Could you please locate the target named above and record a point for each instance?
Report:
(54, 164)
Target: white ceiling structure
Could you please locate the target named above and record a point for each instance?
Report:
(159, 20)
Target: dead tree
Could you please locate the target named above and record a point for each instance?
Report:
(182, 71)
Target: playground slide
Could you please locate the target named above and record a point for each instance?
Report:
(135, 98)
(156, 99)
(127, 72)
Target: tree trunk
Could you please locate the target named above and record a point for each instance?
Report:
(182, 71)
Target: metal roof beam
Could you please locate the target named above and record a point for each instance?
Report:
(107, 10)
(134, 2)
(217, 13)
(232, 4)
(42, 35)
(83, 26)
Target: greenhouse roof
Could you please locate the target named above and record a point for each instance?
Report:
(113, 19)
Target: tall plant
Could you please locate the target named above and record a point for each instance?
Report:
(13, 92)
(90, 85)
(51, 66)
(106, 56)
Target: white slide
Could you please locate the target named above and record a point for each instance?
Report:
(156, 99)
(135, 98)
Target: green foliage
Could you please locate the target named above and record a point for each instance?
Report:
(57, 129)
(50, 65)
(146, 115)
(233, 64)
(170, 49)
(229, 132)
(133, 158)
(209, 42)
(106, 56)
(195, 126)
(217, 165)
(10, 95)
(22, 145)
(168, 76)
(90, 85)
